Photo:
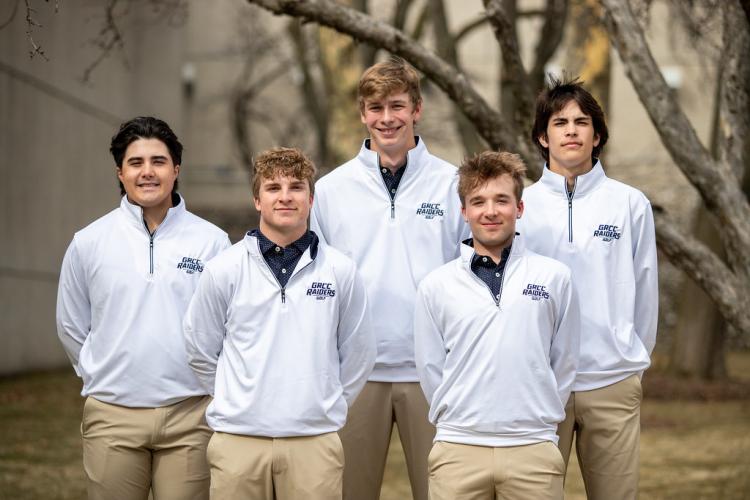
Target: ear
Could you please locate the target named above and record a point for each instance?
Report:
(520, 209)
(596, 140)
(257, 203)
(543, 140)
(119, 173)
(463, 212)
(417, 111)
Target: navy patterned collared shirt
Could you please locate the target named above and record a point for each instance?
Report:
(283, 260)
(489, 272)
(391, 180)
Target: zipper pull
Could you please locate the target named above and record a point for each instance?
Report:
(283, 296)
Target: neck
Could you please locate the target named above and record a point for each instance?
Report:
(393, 160)
(154, 216)
(282, 237)
(571, 173)
(495, 252)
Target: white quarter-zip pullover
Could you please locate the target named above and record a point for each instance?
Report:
(497, 372)
(394, 243)
(280, 361)
(604, 231)
(121, 299)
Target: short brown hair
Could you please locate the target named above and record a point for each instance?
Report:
(388, 77)
(290, 162)
(485, 166)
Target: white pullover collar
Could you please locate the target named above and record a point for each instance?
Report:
(416, 157)
(134, 213)
(585, 183)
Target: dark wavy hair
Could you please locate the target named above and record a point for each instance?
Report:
(145, 127)
(554, 97)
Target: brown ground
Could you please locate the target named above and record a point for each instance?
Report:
(695, 444)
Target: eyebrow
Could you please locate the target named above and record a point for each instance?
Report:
(134, 159)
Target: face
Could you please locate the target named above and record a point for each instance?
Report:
(284, 205)
(491, 211)
(390, 123)
(570, 139)
(148, 174)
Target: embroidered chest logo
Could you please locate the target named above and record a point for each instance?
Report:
(607, 232)
(321, 291)
(190, 265)
(430, 210)
(536, 292)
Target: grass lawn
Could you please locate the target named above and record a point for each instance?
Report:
(689, 449)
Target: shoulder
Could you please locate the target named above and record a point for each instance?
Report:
(205, 228)
(226, 261)
(341, 174)
(439, 277)
(548, 265)
(96, 229)
(634, 195)
(342, 265)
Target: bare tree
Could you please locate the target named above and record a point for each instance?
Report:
(719, 185)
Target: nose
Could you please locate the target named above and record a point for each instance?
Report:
(570, 129)
(286, 194)
(148, 169)
(386, 114)
(491, 209)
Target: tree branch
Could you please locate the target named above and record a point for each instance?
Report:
(555, 16)
(513, 71)
(714, 180)
(31, 23)
(705, 268)
(489, 123)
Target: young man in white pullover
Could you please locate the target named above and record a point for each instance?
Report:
(394, 210)
(604, 231)
(278, 332)
(125, 284)
(496, 344)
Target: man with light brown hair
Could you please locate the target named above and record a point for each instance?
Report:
(393, 209)
(278, 332)
(496, 343)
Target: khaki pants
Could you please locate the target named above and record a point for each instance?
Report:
(606, 423)
(263, 468)
(129, 451)
(465, 472)
(367, 434)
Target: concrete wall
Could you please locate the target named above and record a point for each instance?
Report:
(57, 174)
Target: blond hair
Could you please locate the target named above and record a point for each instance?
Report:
(386, 78)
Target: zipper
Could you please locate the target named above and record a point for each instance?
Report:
(392, 196)
(497, 298)
(150, 247)
(281, 288)
(570, 207)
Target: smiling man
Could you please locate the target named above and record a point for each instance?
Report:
(496, 343)
(394, 210)
(125, 284)
(278, 332)
(604, 231)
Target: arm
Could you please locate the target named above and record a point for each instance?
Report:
(73, 306)
(565, 342)
(646, 313)
(429, 347)
(204, 331)
(356, 340)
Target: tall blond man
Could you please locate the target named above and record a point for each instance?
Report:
(278, 332)
(394, 210)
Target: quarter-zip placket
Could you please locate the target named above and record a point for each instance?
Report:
(391, 194)
(570, 195)
(281, 288)
(497, 298)
(150, 248)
